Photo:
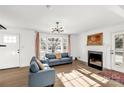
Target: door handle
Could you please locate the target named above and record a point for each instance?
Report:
(18, 51)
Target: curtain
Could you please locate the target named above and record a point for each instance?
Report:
(37, 46)
(69, 44)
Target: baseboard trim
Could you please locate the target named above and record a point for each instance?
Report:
(13, 68)
(84, 62)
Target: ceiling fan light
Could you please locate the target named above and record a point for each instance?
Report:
(57, 29)
(57, 22)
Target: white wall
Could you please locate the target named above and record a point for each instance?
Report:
(26, 44)
(74, 45)
(107, 33)
(27, 47)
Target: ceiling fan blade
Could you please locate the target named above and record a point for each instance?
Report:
(2, 27)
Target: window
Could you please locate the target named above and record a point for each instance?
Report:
(65, 44)
(119, 41)
(9, 39)
(119, 49)
(43, 43)
(52, 44)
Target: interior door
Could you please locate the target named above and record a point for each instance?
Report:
(9, 50)
(118, 51)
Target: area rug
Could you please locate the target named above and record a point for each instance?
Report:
(114, 75)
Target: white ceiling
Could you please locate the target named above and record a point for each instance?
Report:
(74, 18)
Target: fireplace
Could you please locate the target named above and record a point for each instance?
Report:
(95, 59)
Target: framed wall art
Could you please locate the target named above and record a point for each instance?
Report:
(95, 39)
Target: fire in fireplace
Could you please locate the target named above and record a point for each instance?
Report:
(95, 59)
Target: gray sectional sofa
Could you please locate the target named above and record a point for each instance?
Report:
(40, 78)
(51, 60)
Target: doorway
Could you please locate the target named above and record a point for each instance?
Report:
(9, 50)
(118, 51)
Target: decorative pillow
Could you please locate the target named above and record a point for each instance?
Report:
(58, 55)
(64, 55)
(46, 65)
(41, 66)
(34, 67)
(50, 56)
(32, 60)
(47, 55)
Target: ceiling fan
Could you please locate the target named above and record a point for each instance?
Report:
(2, 27)
(57, 28)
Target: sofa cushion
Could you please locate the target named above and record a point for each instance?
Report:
(66, 59)
(50, 56)
(64, 55)
(54, 60)
(34, 67)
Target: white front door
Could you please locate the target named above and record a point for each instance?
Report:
(9, 50)
(118, 51)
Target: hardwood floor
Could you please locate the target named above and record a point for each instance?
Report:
(76, 74)
(15, 77)
(86, 77)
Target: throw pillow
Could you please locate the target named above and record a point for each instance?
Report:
(64, 55)
(41, 66)
(58, 55)
(34, 67)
